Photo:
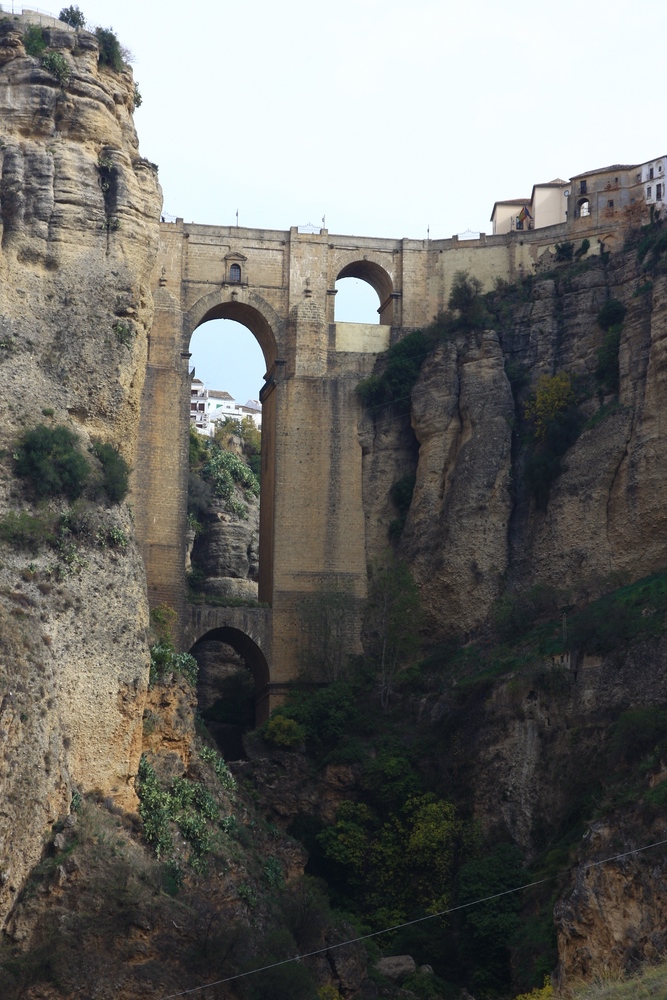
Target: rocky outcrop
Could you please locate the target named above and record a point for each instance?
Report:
(79, 211)
(614, 914)
(455, 538)
(473, 530)
(227, 553)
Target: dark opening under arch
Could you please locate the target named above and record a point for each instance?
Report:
(246, 647)
(228, 703)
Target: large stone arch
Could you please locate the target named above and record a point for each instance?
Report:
(377, 276)
(261, 319)
(245, 307)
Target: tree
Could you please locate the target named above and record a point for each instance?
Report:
(553, 395)
(465, 297)
(72, 16)
(327, 619)
(392, 623)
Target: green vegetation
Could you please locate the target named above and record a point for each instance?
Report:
(610, 319)
(564, 251)
(34, 40)
(401, 494)
(400, 365)
(284, 732)
(27, 531)
(164, 658)
(49, 458)
(125, 332)
(648, 984)
(110, 53)
(56, 64)
(651, 244)
(187, 804)
(555, 422)
(115, 472)
(72, 16)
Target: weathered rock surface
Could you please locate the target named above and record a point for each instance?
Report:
(79, 211)
(227, 553)
(455, 537)
(472, 528)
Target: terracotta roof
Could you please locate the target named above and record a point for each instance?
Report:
(556, 183)
(218, 394)
(607, 170)
(509, 201)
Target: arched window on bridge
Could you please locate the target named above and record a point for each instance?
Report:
(356, 302)
(364, 294)
(235, 274)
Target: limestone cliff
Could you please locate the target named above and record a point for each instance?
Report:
(474, 533)
(79, 211)
(472, 528)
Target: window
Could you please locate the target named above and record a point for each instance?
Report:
(235, 273)
(583, 208)
(660, 168)
(658, 192)
(582, 187)
(610, 203)
(650, 173)
(519, 223)
(648, 191)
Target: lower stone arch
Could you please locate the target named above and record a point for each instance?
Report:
(255, 663)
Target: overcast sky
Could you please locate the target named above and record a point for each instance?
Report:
(385, 117)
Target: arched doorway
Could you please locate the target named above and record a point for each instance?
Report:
(233, 677)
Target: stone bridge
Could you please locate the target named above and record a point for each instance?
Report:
(281, 286)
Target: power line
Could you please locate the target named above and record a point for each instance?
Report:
(410, 923)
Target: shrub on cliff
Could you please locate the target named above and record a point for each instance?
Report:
(34, 41)
(50, 459)
(110, 51)
(555, 421)
(115, 472)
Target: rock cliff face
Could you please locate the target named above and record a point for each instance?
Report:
(79, 210)
(472, 529)
(473, 533)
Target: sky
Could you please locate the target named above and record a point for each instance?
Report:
(387, 118)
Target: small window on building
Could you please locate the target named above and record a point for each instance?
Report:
(660, 168)
(235, 273)
(658, 192)
(582, 187)
(648, 191)
(583, 208)
(639, 177)
(200, 406)
(615, 180)
(519, 223)
(650, 173)
(610, 203)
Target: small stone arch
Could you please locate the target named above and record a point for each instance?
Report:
(252, 655)
(379, 279)
(249, 309)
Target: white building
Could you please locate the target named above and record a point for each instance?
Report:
(208, 406)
